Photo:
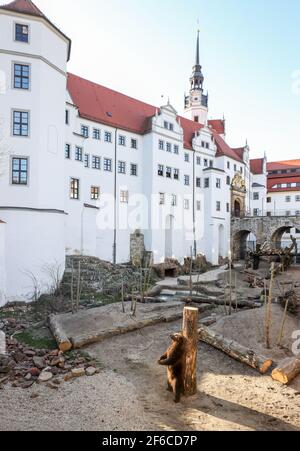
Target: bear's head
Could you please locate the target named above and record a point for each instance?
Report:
(177, 338)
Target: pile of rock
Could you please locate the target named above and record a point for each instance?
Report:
(24, 367)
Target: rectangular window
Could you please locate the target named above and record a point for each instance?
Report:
(86, 160)
(269, 200)
(96, 133)
(288, 198)
(124, 197)
(95, 192)
(297, 198)
(161, 198)
(174, 200)
(241, 170)
(256, 196)
(218, 183)
(235, 168)
(160, 170)
(133, 169)
(211, 164)
(198, 205)
(176, 174)
(228, 181)
(20, 123)
(169, 147)
(168, 172)
(171, 127)
(19, 171)
(21, 76)
(207, 145)
(198, 182)
(176, 149)
(287, 213)
(228, 164)
(161, 145)
(22, 33)
(256, 212)
(166, 124)
(206, 183)
(228, 207)
(121, 167)
(218, 206)
(67, 117)
(107, 137)
(122, 140)
(198, 161)
(67, 151)
(78, 153)
(186, 204)
(74, 189)
(107, 165)
(134, 144)
(96, 162)
(85, 131)
(205, 163)
(187, 180)
(186, 157)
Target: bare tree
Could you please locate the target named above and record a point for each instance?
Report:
(54, 272)
(35, 287)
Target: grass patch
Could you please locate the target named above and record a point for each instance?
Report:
(30, 338)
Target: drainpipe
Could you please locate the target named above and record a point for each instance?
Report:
(115, 202)
(194, 213)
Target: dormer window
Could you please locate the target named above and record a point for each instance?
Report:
(22, 33)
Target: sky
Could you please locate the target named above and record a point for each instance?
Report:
(146, 49)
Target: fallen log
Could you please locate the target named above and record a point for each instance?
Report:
(62, 340)
(239, 304)
(235, 350)
(287, 370)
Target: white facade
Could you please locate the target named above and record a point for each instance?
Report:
(178, 194)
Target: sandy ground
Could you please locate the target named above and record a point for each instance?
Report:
(130, 394)
(105, 402)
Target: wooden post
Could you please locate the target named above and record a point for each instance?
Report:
(269, 309)
(191, 274)
(190, 333)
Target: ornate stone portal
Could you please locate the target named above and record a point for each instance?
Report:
(238, 196)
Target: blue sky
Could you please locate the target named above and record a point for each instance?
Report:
(146, 49)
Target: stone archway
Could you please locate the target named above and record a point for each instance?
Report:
(239, 244)
(238, 196)
(276, 238)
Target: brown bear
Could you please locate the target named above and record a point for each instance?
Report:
(174, 359)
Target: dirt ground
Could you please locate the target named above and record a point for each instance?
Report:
(130, 392)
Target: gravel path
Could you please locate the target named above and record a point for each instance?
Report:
(104, 402)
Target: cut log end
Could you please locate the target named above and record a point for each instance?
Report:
(266, 366)
(287, 371)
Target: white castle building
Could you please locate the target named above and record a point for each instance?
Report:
(82, 166)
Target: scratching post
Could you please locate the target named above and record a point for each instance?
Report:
(190, 333)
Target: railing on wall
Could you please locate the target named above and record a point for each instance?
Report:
(274, 213)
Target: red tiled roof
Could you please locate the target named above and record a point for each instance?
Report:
(279, 165)
(218, 125)
(103, 105)
(275, 181)
(28, 7)
(224, 150)
(23, 6)
(100, 104)
(257, 166)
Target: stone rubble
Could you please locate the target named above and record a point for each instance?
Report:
(23, 367)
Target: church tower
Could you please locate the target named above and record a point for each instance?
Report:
(196, 103)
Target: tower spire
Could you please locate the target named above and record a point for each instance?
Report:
(198, 49)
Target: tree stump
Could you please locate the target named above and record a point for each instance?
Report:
(190, 333)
